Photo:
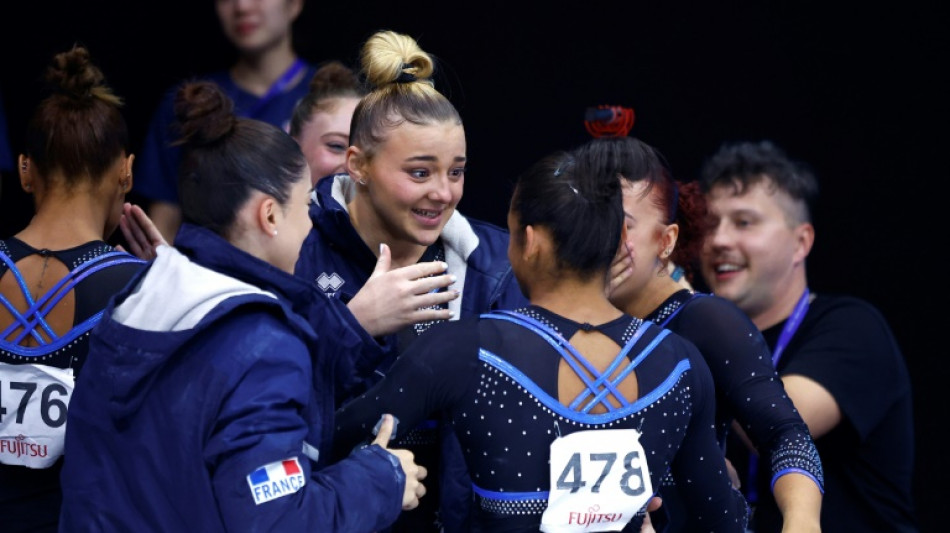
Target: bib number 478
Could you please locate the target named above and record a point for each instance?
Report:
(631, 481)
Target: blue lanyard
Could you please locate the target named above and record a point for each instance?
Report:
(791, 326)
(278, 86)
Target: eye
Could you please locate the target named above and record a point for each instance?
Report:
(457, 173)
(337, 148)
(419, 173)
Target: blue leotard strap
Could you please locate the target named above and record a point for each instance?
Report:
(602, 385)
(35, 315)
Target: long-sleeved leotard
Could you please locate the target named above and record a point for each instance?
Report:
(496, 379)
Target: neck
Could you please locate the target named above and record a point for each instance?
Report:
(785, 303)
(650, 297)
(370, 229)
(65, 222)
(256, 73)
(576, 299)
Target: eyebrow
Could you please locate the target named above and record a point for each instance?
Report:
(432, 158)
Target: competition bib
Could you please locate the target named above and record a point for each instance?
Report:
(599, 480)
(33, 400)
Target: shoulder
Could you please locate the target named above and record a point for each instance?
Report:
(257, 330)
(847, 312)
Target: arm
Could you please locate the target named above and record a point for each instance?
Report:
(817, 406)
(427, 378)
(264, 423)
(741, 366)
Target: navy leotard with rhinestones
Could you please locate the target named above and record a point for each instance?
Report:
(497, 383)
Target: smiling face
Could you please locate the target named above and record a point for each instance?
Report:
(326, 136)
(255, 25)
(752, 252)
(412, 184)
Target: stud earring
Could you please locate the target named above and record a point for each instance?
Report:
(666, 252)
(275, 233)
(361, 181)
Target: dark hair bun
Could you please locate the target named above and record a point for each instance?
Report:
(73, 73)
(205, 114)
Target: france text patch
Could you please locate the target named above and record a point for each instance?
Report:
(275, 480)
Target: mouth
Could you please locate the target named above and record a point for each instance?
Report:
(245, 28)
(431, 214)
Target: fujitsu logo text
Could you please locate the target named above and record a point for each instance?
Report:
(19, 447)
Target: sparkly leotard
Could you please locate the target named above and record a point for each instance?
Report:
(496, 380)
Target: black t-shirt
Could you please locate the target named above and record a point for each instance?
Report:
(845, 344)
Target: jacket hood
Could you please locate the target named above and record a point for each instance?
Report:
(185, 290)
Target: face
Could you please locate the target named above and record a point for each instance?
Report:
(255, 25)
(295, 225)
(644, 223)
(414, 181)
(326, 136)
(750, 253)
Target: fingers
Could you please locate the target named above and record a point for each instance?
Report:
(385, 430)
(424, 270)
(383, 262)
(146, 227)
(414, 489)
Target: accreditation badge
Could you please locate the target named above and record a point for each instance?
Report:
(599, 480)
(33, 403)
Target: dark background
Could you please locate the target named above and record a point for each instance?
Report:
(856, 91)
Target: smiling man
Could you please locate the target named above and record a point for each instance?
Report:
(836, 354)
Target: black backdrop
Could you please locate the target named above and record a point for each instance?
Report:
(855, 91)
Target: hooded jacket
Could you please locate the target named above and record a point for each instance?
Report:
(335, 259)
(207, 401)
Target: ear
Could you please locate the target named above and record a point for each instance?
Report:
(126, 180)
(269, 215)
(805, 238)
(668, 239)
(532, 244)
(355, 163)
(26, 176)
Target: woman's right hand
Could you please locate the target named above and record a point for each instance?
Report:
(392, 299)
(414, 489)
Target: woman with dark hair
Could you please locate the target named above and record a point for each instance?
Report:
(665, 221)
(207, 389)
(56, 276)
(568, 411)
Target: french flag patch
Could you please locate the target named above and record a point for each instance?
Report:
(274, 480)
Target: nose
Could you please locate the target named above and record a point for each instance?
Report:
(720, 236)
(441, 190)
